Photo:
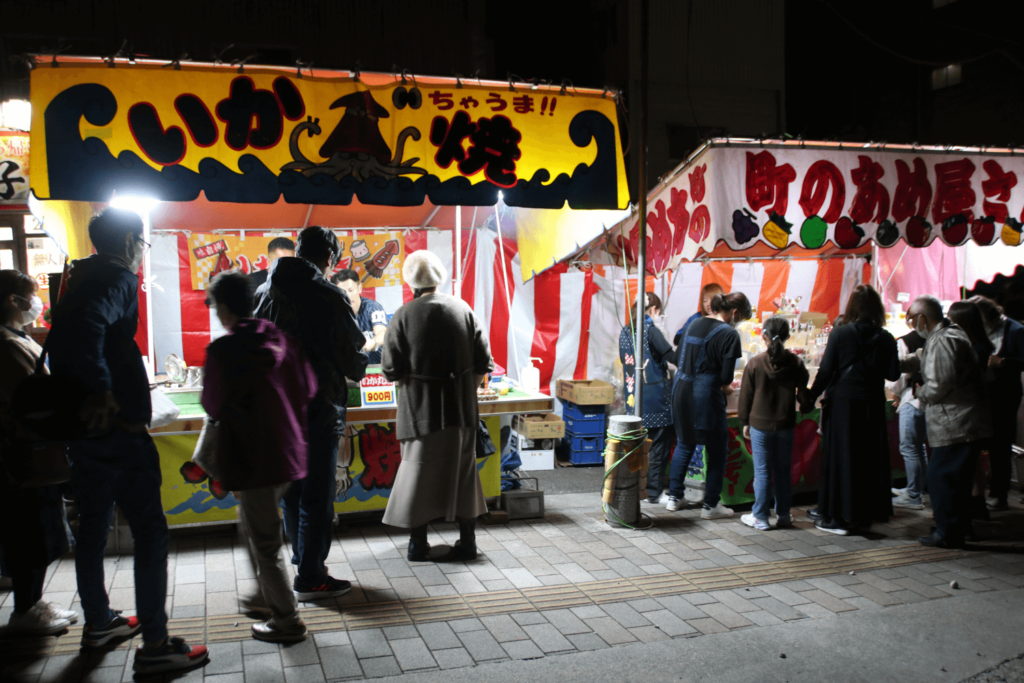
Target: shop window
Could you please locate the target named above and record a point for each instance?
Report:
(946, 76)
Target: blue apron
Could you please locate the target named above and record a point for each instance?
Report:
(708, 400)
(657, 408)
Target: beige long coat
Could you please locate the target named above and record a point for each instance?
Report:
(435, 348)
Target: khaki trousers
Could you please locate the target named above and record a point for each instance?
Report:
(259, 526)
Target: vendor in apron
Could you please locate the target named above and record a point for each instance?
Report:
(657, 412)
(707, 361)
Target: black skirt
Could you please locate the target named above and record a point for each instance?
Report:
(855, 477)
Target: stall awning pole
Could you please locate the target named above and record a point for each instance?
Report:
(457, 281)
(147, 279)
(641, 278)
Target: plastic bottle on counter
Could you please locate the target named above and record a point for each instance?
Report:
(531, 376)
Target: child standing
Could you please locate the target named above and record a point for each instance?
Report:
(767, 409)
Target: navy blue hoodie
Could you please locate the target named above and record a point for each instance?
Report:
(93, 335)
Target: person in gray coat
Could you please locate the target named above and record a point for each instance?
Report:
(438, 354)
(956, 416)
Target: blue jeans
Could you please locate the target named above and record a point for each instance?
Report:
(773, 458)
(309, 503)
(716, 449)
(912, 438)
(121, 468)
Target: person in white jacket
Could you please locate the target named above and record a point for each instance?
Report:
(912, 429)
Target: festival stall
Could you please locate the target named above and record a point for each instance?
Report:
(232, 157)
(799, 225)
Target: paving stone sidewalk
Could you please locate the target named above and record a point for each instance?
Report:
(565, 583)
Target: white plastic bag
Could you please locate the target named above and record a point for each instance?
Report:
(206, 455)
(164, 409)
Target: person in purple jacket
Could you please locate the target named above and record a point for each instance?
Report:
(257, 387)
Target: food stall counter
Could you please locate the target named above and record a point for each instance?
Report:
(191, 498)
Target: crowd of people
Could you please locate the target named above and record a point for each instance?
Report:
(275, 393)
(955, 380)
(276, 390)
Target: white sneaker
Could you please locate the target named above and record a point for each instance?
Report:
(662, 500)
(896, 493)
(752, 521)
(784, 522)
(58, 613)
(717, 512)
(674, 504)
(38, 621)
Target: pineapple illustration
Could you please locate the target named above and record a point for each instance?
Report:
(1012, 232)
(777, 231)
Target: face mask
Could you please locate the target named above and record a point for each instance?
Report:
(922, 329)
(35, 308)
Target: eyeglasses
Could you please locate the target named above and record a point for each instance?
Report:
(146, 244)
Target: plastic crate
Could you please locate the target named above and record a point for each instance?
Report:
(584, 444)
(578, 412)
(585, 457)
(587, 428)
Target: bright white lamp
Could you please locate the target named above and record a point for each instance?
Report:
(140, 204)
(16, 114)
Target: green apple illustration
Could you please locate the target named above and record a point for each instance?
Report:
(813, 232)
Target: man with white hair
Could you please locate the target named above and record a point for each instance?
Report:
(956, 415)
(438, 352)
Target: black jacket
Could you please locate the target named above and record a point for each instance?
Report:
(298, 299)
(93, 335)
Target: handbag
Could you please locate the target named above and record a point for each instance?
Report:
(47, 414)
(205, 454)
(49, 407)
(484, 444)
(34, 464)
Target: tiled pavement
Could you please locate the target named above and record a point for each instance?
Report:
(566, 583)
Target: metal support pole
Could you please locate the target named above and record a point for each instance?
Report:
(641, 279)
(457, 281)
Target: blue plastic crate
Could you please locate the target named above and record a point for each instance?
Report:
(586, 428)
(586, 458)
(578, 412)
(584, 444)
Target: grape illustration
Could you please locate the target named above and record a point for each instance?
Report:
(743, 226)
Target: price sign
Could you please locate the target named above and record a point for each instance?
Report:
(378, 396)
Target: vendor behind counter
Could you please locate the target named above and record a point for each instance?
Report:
(371, 316)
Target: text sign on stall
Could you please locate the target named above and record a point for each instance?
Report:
(783, 196)
(377, 391)
(256, 136)
(14, 162)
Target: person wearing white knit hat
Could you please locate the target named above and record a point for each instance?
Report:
(438, 353)
(424, 270)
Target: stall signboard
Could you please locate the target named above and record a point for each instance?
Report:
(805, 472)
(787, 196)
(376, 258)
(190, 496)
(376, 456)
(264, 133)
(14, 164)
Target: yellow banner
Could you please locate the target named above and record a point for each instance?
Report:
(258, 135)
(377, 258)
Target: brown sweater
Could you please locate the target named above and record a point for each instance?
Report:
(434, 348)
(768, 395)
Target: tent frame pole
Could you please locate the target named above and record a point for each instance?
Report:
(457, 282)
(639, 344)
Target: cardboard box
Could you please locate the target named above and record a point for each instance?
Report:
(522, 444)
(538, 460)
(586, 392)
(547, 426)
